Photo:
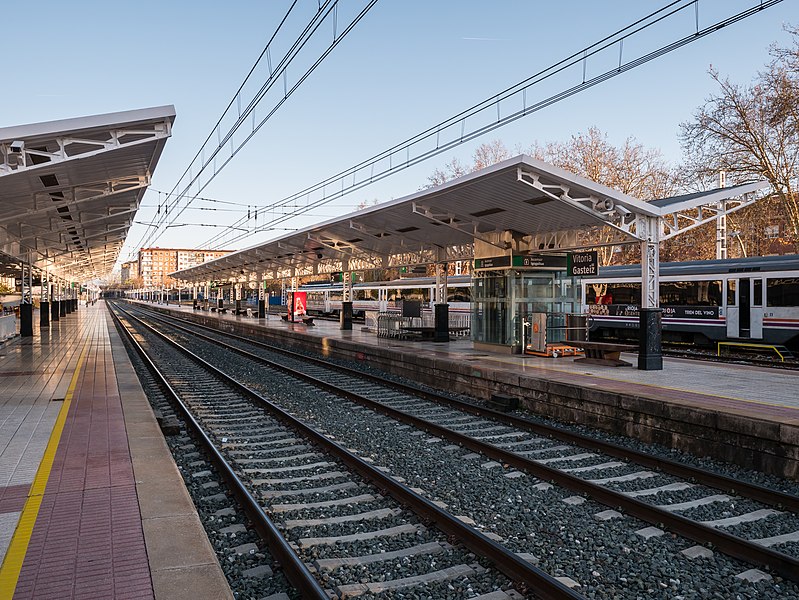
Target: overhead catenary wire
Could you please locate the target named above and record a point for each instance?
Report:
(325, 9)
(236, 97)
(287, 93)
(521, 88)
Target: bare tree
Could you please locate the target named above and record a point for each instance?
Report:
(752, 131)
(489, 154)
(484, 156)
(630, 168)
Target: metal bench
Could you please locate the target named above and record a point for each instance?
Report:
(602, 353)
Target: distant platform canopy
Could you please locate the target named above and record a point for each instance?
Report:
(69, 189)
(521, 205)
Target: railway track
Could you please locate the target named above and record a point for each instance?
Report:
(684, 507)
(338, 525)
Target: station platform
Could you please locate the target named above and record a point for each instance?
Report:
(91, 503)
(742, 414)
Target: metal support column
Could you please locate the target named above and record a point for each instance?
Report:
(345, 317)
(62, 295)
(26, 306)
(55, 311)
(44, 301)
(650, 356)
(441, 307)
(721, 222)
(261, 298)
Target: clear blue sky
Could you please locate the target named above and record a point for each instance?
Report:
(408, 65)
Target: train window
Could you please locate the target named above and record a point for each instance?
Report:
(731, 292)
(613, 293)
(782, 292)
(459, 294)
(417, 294)
(690, 293)
(362, 294)
(757, 298)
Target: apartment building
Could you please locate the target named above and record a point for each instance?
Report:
(130, 271)
(155, 264)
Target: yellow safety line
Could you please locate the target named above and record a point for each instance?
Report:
(12, 563)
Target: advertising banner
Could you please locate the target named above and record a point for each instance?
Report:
(669, 312)
(297, 303)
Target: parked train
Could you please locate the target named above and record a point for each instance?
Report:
(324, 298)
(749, 299)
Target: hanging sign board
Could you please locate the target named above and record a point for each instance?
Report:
(541, 261)
(494, 262)
(583, 264)
(532, 261)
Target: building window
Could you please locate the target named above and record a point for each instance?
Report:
(772, 232)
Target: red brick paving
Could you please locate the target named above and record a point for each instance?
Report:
(13, 497)
(88, 540)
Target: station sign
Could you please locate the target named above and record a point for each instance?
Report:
(546, 261)
(583, 264)
(532, 261)
(494, 262)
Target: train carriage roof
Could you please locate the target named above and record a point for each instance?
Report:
(755, 264)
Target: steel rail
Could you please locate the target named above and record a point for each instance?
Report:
(295, 569)
(731, 545)
(752, 491)
(526, 576)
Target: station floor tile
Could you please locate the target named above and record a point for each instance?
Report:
(88, 539)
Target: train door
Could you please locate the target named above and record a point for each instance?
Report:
(733, 310)
(756, 310)
(745, 308)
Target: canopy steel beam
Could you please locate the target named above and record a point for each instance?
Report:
(16, 159)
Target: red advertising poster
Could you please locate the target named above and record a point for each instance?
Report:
(296, 305)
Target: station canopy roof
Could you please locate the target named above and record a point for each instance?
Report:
(521, 205)
(69, 189)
